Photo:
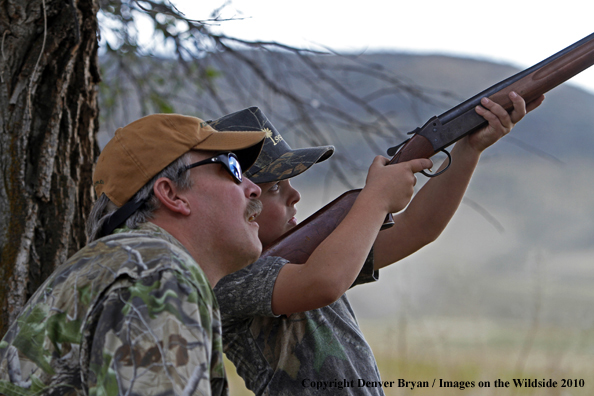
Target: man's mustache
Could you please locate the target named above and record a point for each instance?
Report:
(253, 209)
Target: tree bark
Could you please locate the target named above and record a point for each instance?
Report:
(48, 123)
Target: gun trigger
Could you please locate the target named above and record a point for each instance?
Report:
(443, 170)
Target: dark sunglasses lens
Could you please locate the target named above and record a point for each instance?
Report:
(235, 168)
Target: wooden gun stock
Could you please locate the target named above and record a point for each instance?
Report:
(438, 133)
(299, 243)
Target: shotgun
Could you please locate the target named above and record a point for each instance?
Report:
(435, 136)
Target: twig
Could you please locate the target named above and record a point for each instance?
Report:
(485, 213)
(534, 326)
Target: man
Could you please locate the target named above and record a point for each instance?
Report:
(133, 312)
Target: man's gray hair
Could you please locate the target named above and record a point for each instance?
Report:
(104, 208)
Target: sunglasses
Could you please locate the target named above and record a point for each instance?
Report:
(228, 159)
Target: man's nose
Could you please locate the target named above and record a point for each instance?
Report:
(251, 189)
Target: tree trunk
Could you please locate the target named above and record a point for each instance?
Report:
(48, 122)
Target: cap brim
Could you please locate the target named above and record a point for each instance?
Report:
(291, 164)
(246, 145)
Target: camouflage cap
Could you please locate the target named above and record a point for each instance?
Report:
(277, 161)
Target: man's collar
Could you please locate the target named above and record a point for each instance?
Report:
(151, 229)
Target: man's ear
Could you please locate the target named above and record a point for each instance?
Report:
(167, 194)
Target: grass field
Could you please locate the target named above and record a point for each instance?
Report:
(473, 350)
(461, 350)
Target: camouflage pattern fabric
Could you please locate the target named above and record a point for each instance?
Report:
(131, 313)
(280, 355)
(277, 160)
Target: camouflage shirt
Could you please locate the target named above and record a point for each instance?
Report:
(291, 355)
(131, 313)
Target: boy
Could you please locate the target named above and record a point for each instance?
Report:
(288, 327)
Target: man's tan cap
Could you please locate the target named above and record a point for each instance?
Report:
(142, 149)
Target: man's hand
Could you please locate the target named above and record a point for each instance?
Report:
(500, 122)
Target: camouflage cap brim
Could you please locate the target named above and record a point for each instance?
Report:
(277, 160)
(289, 164)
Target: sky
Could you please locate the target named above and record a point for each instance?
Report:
(516, 32)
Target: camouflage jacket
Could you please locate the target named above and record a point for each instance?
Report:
(131, 313)
(293, 355)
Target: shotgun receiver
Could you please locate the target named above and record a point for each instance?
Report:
(437, 134)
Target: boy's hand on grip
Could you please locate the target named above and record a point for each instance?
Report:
(392, 186)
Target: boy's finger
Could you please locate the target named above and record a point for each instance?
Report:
(420, 164)
(496, 109)
(535, 103)
(381, 160)
(519, 110)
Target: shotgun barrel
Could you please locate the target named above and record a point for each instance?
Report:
(444, 130)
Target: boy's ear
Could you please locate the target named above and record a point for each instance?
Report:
(167, 194)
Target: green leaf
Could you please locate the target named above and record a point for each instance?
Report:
(30, 339)
(107, 383)
(60, 329)
(9, 389)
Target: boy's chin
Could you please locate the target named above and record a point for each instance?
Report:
(290, 227)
